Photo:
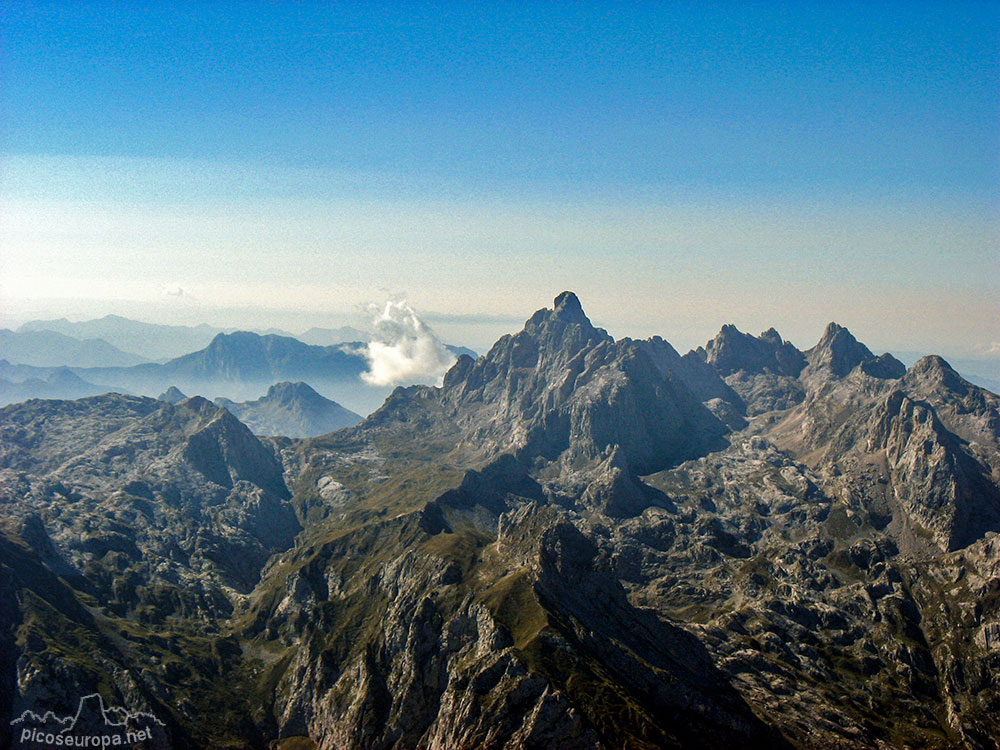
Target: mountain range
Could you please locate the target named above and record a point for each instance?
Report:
(45, 348)
(152, 341)
(573, 542)
(55, 382)
(155, 341)
(236, 365)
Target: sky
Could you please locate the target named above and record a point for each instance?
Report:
(678, 165)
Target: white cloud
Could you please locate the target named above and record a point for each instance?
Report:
(404, 349)
(173, 290)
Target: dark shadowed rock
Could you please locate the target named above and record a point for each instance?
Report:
(563, 389)
(732, 351)
(838, 352)
(884, 366)
(763, 371)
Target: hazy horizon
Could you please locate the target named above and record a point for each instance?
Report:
(470, 330)
(677, 167)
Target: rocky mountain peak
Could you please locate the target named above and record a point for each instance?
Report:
(567, 305)
(291, 409)
(549, 341)
(771, 336)
(832, 330)
(838, 351)
(564, 390)
(173, 395)
(224, 450)
(936, 370)
(565, 327)
(286, 392)
(732, 351)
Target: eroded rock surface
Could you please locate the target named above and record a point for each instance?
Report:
(575, 542)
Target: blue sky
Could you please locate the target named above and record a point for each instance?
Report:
(679, 165)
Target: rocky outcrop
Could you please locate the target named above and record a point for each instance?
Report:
(764, 370)
(940, 487)
(838, 352)
(487, 640)
(128, 486)
(564, 390)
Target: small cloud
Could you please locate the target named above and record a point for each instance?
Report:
(404, 349)
(173, 290)
(992, 349)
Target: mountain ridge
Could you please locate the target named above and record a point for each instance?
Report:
(574, 541)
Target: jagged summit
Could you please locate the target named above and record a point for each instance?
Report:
(567, 305)
(549, 341)
(732, 351)
(833, 330)
(562, 390)
(838, 352)
(565, 327)
(771, 336)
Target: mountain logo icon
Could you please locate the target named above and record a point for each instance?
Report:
(93, 725)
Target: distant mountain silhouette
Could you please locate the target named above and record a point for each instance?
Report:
(333, 336)
(59, 382)
(149, 340)
(52, 349)
(291, 409)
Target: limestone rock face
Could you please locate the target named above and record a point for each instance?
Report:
(563, 390)
(574, 542)
(764, 370)
(941, 487)
(838, 352)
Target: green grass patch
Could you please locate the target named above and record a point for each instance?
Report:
(513, 602)
(294, 743)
